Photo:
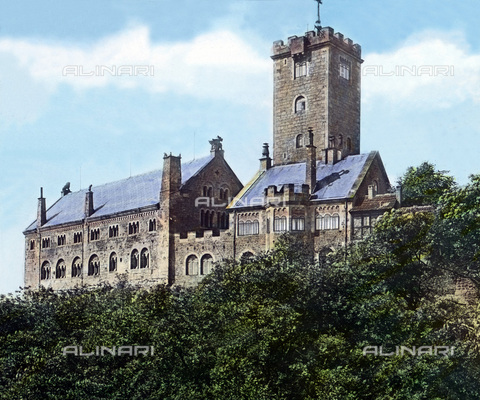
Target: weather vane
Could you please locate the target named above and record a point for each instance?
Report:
(317, 23)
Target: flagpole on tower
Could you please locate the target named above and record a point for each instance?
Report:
(318, 25)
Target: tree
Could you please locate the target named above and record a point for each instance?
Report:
(423, 185)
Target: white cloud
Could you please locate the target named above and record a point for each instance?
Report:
(447, 56)
(218, 65)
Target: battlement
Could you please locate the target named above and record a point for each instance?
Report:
(196, 236)
(313, 40)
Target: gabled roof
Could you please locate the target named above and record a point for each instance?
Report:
(338, 181)
(133, 193)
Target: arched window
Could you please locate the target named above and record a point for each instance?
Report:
(299, 141)
(192, 265)
(340, 141)
(221, 193)
(241, 228)
(61, 269)
(202, 218)
(144, 259)
(225, 194)
(247, 256)
(76, 267)
(327, 222)
(248, 228)
(112, 262)
(94, 265)
(206, 265)
(134, 259)
(300, 104)
(45, 270)
(205, 191)
(152, 225)
(335, 221)
(319, 223)
(255, 227)
(349, 144)
(322, 255)
(210, 192)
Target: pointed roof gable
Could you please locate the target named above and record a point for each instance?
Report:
(337, 181)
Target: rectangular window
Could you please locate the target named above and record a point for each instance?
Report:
(345, 67)
(280, 224)
(298, 224)
(300, 69)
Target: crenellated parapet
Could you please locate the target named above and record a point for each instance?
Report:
(312, 41)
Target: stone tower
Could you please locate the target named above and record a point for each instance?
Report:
(316, 85)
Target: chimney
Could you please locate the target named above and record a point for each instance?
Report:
(398, 194)
(265, 161)
(371, 193)
(172, 173)
(311, 163)
(89, 202)
(41, 210)
(217, 148)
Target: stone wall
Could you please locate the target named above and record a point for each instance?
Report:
(332, 102)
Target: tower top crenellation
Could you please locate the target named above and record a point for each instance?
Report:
(312, 40)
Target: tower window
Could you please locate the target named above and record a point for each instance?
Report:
(300, 104)
(299, 141)
(345, 67)
(300, 69)
(349, 144)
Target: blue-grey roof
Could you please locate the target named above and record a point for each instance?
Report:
(338, 181)
(136, 192)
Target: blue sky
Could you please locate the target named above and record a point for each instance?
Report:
(212, 76)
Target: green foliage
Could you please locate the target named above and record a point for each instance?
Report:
(277, 326)
(423, 185)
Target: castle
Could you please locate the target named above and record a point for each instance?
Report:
(171, 225)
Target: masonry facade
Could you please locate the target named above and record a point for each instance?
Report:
(172, 225)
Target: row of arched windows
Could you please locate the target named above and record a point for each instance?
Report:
(248, 228)
(208, 192)
(192, 265)
(207, 219)
(327, 222)
(137, 260)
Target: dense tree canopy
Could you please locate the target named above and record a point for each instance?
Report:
(278, 326)
(423, 185)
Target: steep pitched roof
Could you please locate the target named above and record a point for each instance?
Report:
(338, 181)
(133, 193)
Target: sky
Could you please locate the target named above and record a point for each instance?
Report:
(202, 68)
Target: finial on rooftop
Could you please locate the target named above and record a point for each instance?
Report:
(318, 25)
